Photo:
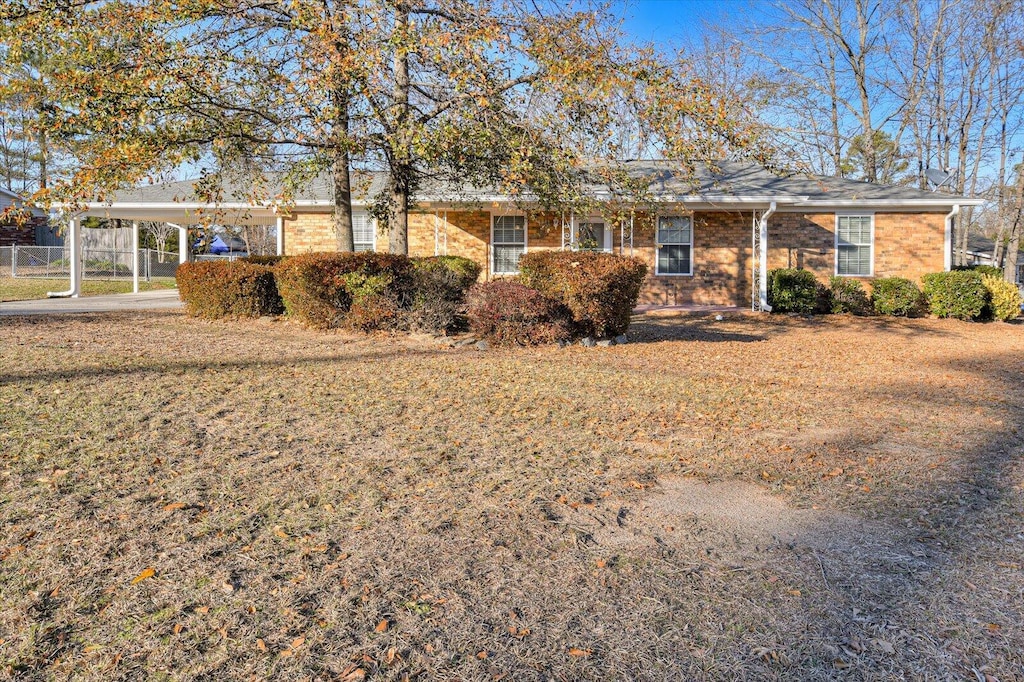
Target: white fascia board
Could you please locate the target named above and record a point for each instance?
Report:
(902, 204)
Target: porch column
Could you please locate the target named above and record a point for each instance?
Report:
(182, 244)
(280, 236)
(135, 256)
(74, 241)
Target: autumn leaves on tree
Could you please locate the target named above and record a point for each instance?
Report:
(517, 95)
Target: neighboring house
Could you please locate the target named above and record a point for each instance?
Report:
(15, 233)
(709, 238)
(981, 249)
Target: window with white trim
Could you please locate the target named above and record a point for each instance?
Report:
(592, 235)
(675, 245)
(853, 244)
(508, 243)
(363, 232)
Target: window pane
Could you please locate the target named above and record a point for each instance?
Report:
(509, 229)
(362, 232)
(590, 235)
(674, 260)
(853, 260)
(506, 258)
(674, 230)
(854, 230)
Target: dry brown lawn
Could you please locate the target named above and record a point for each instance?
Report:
(746, 499)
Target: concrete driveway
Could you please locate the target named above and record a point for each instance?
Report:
(163, 299)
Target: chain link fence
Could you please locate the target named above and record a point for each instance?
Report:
(55, 262)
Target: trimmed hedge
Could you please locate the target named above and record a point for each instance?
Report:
(320, 289)
(848, 296)
(980, 269)
(264, 260)
(601, 289)
(216, 289)
(791, 290)
(896, 296)
(960, 294)
(441, 284)
(1004, 297)
(507, 313)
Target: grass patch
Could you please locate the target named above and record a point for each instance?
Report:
(28, 288)
(774, 498)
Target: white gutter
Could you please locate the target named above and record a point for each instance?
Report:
(887, 203)
(762, 284)
(75, 237)
(948, 247)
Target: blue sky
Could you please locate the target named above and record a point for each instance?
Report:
(680, 21)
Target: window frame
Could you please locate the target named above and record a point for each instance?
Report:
(658, 244)
(608, 245)
(493, 252)
(871, 244)
(372, 222)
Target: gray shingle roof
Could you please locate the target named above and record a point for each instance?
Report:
(722, 181)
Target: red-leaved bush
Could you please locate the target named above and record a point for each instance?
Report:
(216, 289)
(319, 289)
(507, 313)
(601, 289)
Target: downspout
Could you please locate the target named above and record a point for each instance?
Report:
(762, 274)
(948, 250)
(75, 236)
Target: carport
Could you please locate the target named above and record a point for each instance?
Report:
(163, 209)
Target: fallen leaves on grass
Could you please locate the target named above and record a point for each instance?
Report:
(145, 575)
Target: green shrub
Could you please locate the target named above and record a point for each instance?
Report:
(215, 289)
(960, 294)
(980, 269)
(1004, 297)
(601, 289)
(507, 313)
(896, 296)
(792, 291)
(374, 302)
(319, 289)
(441, 284)
(848, 296)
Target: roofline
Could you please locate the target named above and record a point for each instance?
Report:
(784, 203)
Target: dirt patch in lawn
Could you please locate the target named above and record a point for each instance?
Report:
(759, 498)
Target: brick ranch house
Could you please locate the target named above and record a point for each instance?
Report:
(709, 237)
(18, 233)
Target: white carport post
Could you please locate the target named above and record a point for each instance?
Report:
(182, 244)
(75, 238)
(280, 236)
(135, 256)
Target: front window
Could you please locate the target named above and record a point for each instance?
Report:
(591, 236)
(853, 245)
(675, 245)
(508, 243)
(363, 232)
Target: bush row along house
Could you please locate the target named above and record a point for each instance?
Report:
(709, 236)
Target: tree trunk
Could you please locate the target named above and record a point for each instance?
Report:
(1013, 247)
(43, 153)
(398, 234)
(401, 158)
(342, 218)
